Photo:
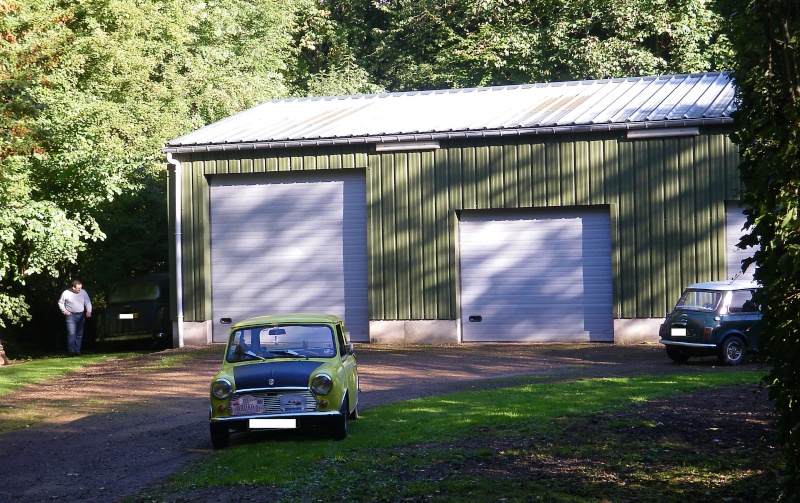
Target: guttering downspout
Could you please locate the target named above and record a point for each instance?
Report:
(178, 244)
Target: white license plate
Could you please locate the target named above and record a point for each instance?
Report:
(273, 424)
(293, 403)
(679, 332)
(128, 316)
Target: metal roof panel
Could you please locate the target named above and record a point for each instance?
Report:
(518, 109)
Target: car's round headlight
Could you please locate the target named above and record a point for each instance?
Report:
(322, 384)
(221, 389)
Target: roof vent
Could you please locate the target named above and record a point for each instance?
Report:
(406, 146)
(635, 134)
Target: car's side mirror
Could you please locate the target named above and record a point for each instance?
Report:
(350, 348)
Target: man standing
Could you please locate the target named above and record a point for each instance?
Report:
(76, 306)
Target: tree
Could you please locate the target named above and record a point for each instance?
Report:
(326, 65)
(423, 44)
(89, 92)
(765, 35)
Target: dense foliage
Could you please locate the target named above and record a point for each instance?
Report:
(89, 92)
(424, 44)
(766, 34)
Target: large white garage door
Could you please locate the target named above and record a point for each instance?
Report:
(536, 276)
(734, 230)
(286, 244)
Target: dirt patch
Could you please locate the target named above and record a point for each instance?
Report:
(118, 427)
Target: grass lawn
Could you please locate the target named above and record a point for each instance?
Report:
(587, 440)
(14, 377)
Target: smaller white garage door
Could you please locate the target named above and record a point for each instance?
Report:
(734, 230)
(536, 275)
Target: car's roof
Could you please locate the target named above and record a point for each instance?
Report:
(725, 285)
(289, 319)
(158, 277)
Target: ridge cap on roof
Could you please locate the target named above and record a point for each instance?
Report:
(456, 90)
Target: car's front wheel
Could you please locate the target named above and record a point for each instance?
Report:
(220, 435)
(677, 355)
(733, 350)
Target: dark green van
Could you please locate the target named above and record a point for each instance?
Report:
(137, 309)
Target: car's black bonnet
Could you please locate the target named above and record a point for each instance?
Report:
(274, 374)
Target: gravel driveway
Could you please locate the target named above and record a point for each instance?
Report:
(115, 428)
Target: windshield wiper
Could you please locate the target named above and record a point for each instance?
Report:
(285, 352)
(253, 355)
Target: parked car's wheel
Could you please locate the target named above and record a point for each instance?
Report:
(340, 423)
(354, 414)
(220, 435)
(677, 355)
(733, 350)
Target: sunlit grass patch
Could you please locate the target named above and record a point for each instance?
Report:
(478, 445)
(17, 376)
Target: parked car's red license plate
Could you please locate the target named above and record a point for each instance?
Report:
(247, 405)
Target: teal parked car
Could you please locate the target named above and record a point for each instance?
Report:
(717, 318)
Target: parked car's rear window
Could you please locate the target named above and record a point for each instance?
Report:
(699, 299)
(134, 292)
(742, 302)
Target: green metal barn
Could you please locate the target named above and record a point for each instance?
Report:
(572, 211)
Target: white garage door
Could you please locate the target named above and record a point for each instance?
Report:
(536, 276)
(734, 230)
(286, 244)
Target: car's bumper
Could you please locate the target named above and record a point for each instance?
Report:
(254, 422)
(696, 345)
(135, 337)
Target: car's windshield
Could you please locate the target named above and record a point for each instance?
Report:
(699, 299)
(281, 341)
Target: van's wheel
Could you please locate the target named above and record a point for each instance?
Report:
(340, 422)
(732, 351)
(677, 355)
(220, 435)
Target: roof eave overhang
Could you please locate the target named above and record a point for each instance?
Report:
(441, 135)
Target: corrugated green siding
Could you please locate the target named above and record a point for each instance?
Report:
(667, 198)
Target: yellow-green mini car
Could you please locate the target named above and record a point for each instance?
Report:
(285, 372)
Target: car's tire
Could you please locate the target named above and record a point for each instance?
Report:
(340, 429)
(354, 414)
(220, 435)
(732, 351)
(677, 355)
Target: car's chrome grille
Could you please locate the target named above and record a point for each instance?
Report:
(272, 399)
